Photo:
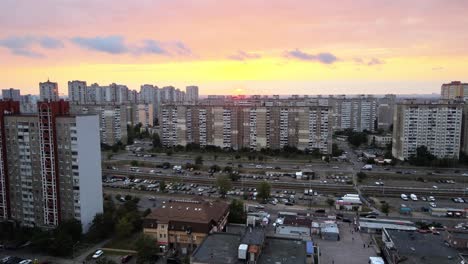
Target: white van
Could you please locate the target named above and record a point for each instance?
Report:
(413, 197)
(404, 197)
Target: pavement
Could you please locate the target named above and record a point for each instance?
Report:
(348, 250)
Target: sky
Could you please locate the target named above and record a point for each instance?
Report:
(232, 47)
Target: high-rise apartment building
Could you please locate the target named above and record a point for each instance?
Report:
(48, 91)
(385, 111)
(48, 168)
(77, 92)
(191, 93)
(356, 113)
(436, 125)
(454, 90)
(11, 94)
(247, 126)
(143, 113)
(113, 119)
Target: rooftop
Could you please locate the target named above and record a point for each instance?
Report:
(218, 248)
(191, 211)
(422, 248)
(284, 251)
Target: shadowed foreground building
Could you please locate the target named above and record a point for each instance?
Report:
(50, 166)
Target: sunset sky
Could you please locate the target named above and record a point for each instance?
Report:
(242, 46)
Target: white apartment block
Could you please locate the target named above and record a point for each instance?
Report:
(191, 93)
(11, 94)
(48, 91)
(77, 92)
(438, 126)
(144, 115)
(357, 113)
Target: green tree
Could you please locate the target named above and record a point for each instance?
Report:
(199, 160)
(423, 157)
(336, 151)
(124, 227)
(227, 169)
(237, 156)
(361, 176)
(134, 163)
(236, 212)
(357, 138)
(234, 176)
(330, 202)
(146, 249)
(162, 186)
(385, 207)
(264, 189)
(156, 141)
(224, 184)
(215, 168)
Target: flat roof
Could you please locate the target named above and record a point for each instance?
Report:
(284, 251)
(422, 248)
(387, 226)
(218, 248)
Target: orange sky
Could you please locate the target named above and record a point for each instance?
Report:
(260, 47)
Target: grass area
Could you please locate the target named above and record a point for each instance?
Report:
(123, 243)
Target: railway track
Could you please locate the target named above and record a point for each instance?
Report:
(397, 191)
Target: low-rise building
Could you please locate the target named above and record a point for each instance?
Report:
(457, 238)
(185, 223)
(373, 226)
(330, 231)
(416, 248)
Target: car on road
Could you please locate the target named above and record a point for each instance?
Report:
(433, 205)
(413, 197)
(431, 199)
(335, 167)
(98, 254)
(404, 197)
(26, 261)
(435, 187)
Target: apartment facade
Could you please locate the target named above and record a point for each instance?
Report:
(385, 111)
(77, 92)
(454, 91)
(191, 93)
(356, 113)
(143, 113)
(48, 166)
(48, 91)
(247, 126)
(113, 120)
(436, 125)
(11, 94)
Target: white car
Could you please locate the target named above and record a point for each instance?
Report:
(335, 167)
(431, 199)
(98, 254)
(433, 205)
(26, 261)
(404, 197)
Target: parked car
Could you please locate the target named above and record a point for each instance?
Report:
(98, 254)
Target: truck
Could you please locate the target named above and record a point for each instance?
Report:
(367, 167)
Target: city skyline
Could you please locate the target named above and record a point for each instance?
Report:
(313, 48)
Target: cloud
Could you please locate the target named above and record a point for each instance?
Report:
(324, 57)
(117, 45)
(242, 55)
(370, 62)
(151, 46)
(438, 68)
(23, 45)
(109, 44)
(182, 49)
(50, 43)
